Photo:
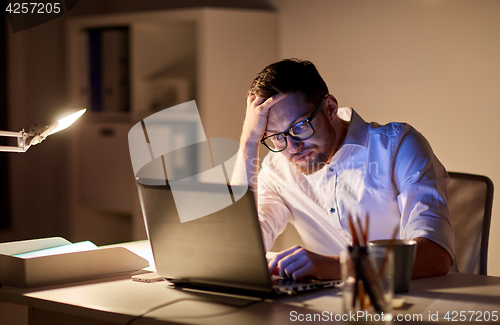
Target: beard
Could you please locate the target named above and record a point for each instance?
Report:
(312, 165)
(322, 157)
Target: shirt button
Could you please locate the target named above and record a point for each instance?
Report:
(332, 210)
(330, 169)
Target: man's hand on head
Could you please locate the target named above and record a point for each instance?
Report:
(245, 169)
(297, 262)
(256, 117)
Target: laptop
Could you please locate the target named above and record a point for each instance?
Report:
(219, 250)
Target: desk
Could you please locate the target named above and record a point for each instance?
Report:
(116, 300)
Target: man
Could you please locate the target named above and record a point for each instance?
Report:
(327, 164)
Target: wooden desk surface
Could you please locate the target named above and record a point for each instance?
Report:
(119, 299)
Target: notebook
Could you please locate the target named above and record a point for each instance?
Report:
(222, 250)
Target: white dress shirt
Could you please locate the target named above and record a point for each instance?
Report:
(386, 171)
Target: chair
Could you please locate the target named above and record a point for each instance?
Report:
(470, 203)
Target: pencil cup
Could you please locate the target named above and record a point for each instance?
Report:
(368, 283)
(404, 258)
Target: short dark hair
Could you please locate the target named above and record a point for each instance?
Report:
(290, 75)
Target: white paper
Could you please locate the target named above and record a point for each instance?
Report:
(70, 248)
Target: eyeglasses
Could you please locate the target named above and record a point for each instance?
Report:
(300, 131)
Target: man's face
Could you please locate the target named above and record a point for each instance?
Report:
(308, 155)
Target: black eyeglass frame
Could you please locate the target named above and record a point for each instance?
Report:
(287, 131)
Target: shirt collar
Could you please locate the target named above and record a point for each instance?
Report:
(357, 132)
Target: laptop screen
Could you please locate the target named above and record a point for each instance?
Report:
(215, 246)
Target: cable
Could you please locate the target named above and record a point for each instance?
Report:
(194, 317)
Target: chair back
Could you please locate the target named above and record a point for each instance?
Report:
(470, 203)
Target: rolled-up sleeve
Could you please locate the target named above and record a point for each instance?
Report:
(422, 182)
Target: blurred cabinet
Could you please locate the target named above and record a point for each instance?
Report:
(209, 55)
(102, 148)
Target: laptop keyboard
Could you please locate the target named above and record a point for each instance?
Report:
(277, 280)
(291, 286)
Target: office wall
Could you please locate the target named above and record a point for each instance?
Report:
(433, 64)
(35, 92)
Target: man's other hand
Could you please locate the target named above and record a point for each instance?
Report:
(297, 262)
(430, 260)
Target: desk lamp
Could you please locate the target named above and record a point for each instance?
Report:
(38, 132)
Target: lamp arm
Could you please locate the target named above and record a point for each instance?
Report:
(21, 141)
